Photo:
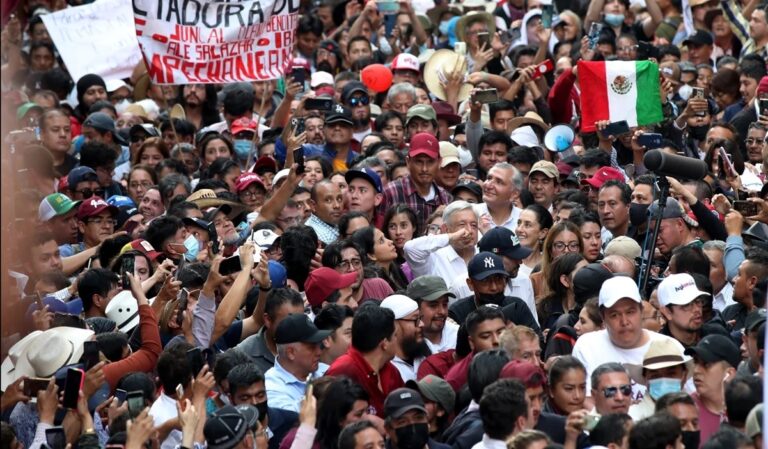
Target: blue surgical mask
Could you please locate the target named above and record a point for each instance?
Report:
(243, 148)
(614, 20)
(193, 248)
(659, 387)
(443, 27)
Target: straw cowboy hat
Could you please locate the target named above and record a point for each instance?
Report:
(439, 64)
(472, 17)
(206, 198)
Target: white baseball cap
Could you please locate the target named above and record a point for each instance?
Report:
(678, 289)
(401, 305)
(405, 61)
(616, 288)
(320, 78)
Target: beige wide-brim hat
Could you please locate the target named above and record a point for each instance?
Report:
(472, 17)
(530, 118)
(442, 62)
(662, 353)
(206, 198)
(50, 351)
(7, 371)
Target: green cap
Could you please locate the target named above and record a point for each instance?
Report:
(428, 288)
(54, 205)
(23, 109)
(422, 111)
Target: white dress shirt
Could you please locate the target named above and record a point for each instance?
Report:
(432, 254)
(511, 223)
(723, 298)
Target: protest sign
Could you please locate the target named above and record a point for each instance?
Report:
(205, 41)
(96, 38)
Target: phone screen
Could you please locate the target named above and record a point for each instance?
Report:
(72, 387)
(135, 401)
(129, 262)
(546, 15)
(120, 395)
(90, 354)
(56, 438)
(34, 384)
(214, 238)
(298, 157)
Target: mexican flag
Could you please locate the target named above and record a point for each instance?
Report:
(619, 90)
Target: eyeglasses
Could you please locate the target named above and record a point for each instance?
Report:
(87, 193)
(415, 321)
(573, 246)
(691, 305)
(354, 263)
(251, 193)
(610, 392)
(136, 185)
(473, 33)
(361, 100)
(99, 221)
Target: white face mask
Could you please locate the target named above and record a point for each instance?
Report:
(685, 91)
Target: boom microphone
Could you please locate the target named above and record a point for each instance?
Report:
(673, 165)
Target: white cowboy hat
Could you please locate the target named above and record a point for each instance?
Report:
(7, 374)
(50, 351)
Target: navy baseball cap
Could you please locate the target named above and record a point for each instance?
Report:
(80, 174)
(365, 173)
(485, 264)
(503, 242)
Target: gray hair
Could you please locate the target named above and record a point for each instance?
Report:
(454, 207)
(371, 162)
(714, 244)
(169, 183)
(605, 368)
(184, 148)
(517, 177)
(401, 88)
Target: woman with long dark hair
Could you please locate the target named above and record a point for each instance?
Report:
(560, 298)
(382, 255)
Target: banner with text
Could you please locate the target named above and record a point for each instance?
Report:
(96, 38)
(208, 41)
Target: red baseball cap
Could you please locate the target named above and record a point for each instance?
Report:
(146, 248)
(602, 176)
(424, 143)
(324, 281)
(526, 372)
(246, 179)
(94, 206)
(243, 124)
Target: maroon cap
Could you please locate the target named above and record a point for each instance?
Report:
(266, 162)
(526, 372)
(94, 206)
(324, 281)
(564, 169)
(444, 111)
(243, 181)
(603, 175)
(424, 143)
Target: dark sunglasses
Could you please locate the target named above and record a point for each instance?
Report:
(362, 100)
(610, 392)
(87, 193)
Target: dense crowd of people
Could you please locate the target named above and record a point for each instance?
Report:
(445, 261)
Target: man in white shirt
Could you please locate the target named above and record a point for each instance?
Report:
(432, 296)
(723, 290)
(501, 189)
(623, 340)
(410, 348)
(447, 255)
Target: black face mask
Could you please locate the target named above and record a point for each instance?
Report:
(698, 132)
(691, 439)
(262, 408)
(490, 298)
(414, 436)
(638, 213)
(325, 66)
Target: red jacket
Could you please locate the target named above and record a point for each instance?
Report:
(562, 98)
(143, 360)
